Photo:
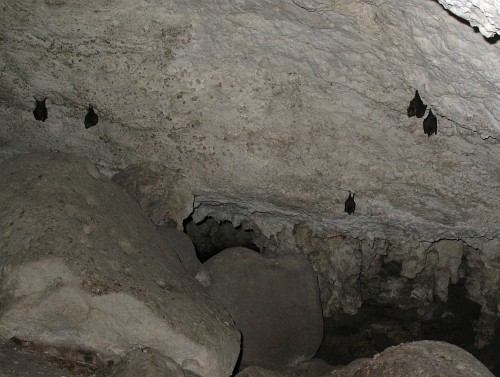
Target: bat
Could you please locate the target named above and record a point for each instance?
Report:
(350, 204)
(40, 111)
(91, 118)
(430, 124)
(416, 107)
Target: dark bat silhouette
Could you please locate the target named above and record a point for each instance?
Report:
(350, 204)
(430, 124)
(40, 111)
(416, 107)
(91, 118)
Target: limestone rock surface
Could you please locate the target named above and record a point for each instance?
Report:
(405, 274)
(274, 302)
(258, 372)
(272, 111)
(83, 266)
(485, 14)
(423, 359)
(147, 363)
(308, 368)
(163, 194)
(280, 105)
(350, 369)
(183, 247)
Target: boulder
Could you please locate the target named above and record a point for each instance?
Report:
(258, 372)
(83, 266)
(183, 247)
(350, 369)
(146, 362)
(423, 359)
(309, 368)
(275, 303)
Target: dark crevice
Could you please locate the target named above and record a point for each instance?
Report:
(210, 236)
(376, 327)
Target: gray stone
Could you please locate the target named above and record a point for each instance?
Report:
(309, 368)
(481, 13)
(285, 119)
(162, 193)
(81, 264)
(424, 358)
(147, 362)
(183, 246)
(275, 126)
(258, 372)
(274, 302)
(350, 369)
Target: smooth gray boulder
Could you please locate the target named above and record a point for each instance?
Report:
(274, 302)
(82, 265)
(183, 247)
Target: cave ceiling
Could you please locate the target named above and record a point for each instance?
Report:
(272, 108)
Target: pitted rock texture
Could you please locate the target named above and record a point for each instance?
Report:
(82, 265)
(271, 111)
(274, 302)
(422, 359)
(281, 105)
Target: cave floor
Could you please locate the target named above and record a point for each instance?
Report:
(24, 359)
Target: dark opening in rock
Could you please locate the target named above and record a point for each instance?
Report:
(210, 237)
(376, 327)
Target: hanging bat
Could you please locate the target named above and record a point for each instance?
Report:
(91, 118)
(350, 204)
(430, 124)
(416, 107)
(40, 111)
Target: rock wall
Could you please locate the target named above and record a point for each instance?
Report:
(83, 267)
(483, 14)
(286, 104)
(272, 110)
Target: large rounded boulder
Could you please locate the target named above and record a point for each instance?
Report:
(83, 266)
(273, 300)
(422, 359)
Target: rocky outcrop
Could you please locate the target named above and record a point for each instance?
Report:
(274, 302)
(405, 275)
(83, 266)
(423, 359)
(162, 193)
(271, 111)
(484, 14)
(308, 102)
